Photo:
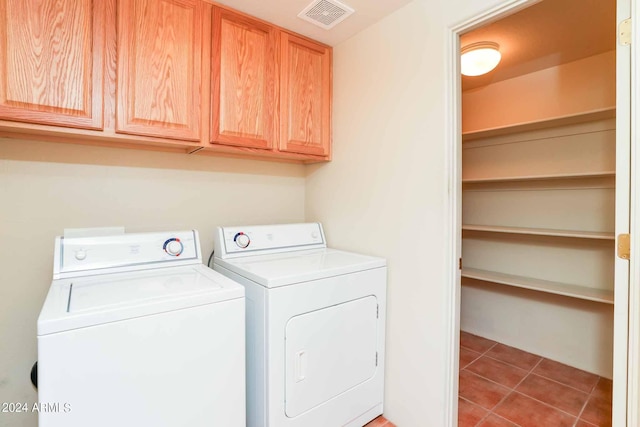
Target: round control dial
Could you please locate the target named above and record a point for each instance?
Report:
(242, 240)
(173, 246)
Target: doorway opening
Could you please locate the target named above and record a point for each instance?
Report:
(536, 218)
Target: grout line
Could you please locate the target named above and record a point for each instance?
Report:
(528, 371)
(541, 375)
(481, 407)
(489, 411)
(567, 385)
(588, 393)
(528, 374)
(585, 422)
(479, 356)
(490, 380)
(500, 403)
(478, 336)
(481, 353)
(513, 390)
(495, 343)
(481, 420)
(510, 364)
(586, 402)
(547, 404)
(533, 398)
(537, 364)
(506, 419)
(474, 404)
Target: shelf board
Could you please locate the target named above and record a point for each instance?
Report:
(599, 114)
(541, 232)
(546, 177)
(557, 288)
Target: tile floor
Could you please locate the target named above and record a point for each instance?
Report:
(502, 386)
(380, 422)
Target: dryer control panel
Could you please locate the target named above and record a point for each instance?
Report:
(265, 239)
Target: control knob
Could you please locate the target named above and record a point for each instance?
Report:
(81, 254)
(242, 240)
(173, 247)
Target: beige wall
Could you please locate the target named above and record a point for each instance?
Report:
(585, 85)
(383, 194)
(385, 191)
(46, 187)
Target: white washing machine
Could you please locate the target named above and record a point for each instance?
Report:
(315, 326)
(136, 332)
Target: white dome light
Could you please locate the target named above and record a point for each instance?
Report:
(479, 58)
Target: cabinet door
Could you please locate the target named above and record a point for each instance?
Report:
(305, 96)
(159, 68)
(244, 81)
(51, 54)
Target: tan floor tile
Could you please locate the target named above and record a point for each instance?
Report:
(467, 356)
(565, 374)
(469, 413)
(475, 343)
(528, 412)
(495, 421)
(500, 372)
(514, 356)
(552, 393)
(481, 391)
(597, 412)
(378, 422)
(604, 389)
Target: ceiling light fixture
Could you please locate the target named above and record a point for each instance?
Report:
(479, 58)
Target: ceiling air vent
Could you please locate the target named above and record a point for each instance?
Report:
(326, 13)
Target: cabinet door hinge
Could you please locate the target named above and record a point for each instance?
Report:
(624, 32)
(377, 311)
(376, 358)
(624, 246)
(459, 263)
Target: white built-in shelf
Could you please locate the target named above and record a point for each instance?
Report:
(568, 290)
(547, 177)
(541, 232)
(600, 114)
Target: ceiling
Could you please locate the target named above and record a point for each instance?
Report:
(549, 33)
(284, 13)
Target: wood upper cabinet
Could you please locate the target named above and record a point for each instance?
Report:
(184, 74)
(305, 96)
(52, 56)
(159, 68)
(244, 81)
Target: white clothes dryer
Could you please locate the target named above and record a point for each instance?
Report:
(135, 332)
(315, 325)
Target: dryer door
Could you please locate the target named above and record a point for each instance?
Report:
(328, 352)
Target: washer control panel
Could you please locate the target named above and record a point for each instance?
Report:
(258, 239)
(75, 254)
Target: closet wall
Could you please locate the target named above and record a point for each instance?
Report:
(538, 212)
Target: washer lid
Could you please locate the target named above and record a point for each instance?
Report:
(299, 266)
(86, 301)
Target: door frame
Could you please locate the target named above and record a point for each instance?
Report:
(633, 367)
(628, 390)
